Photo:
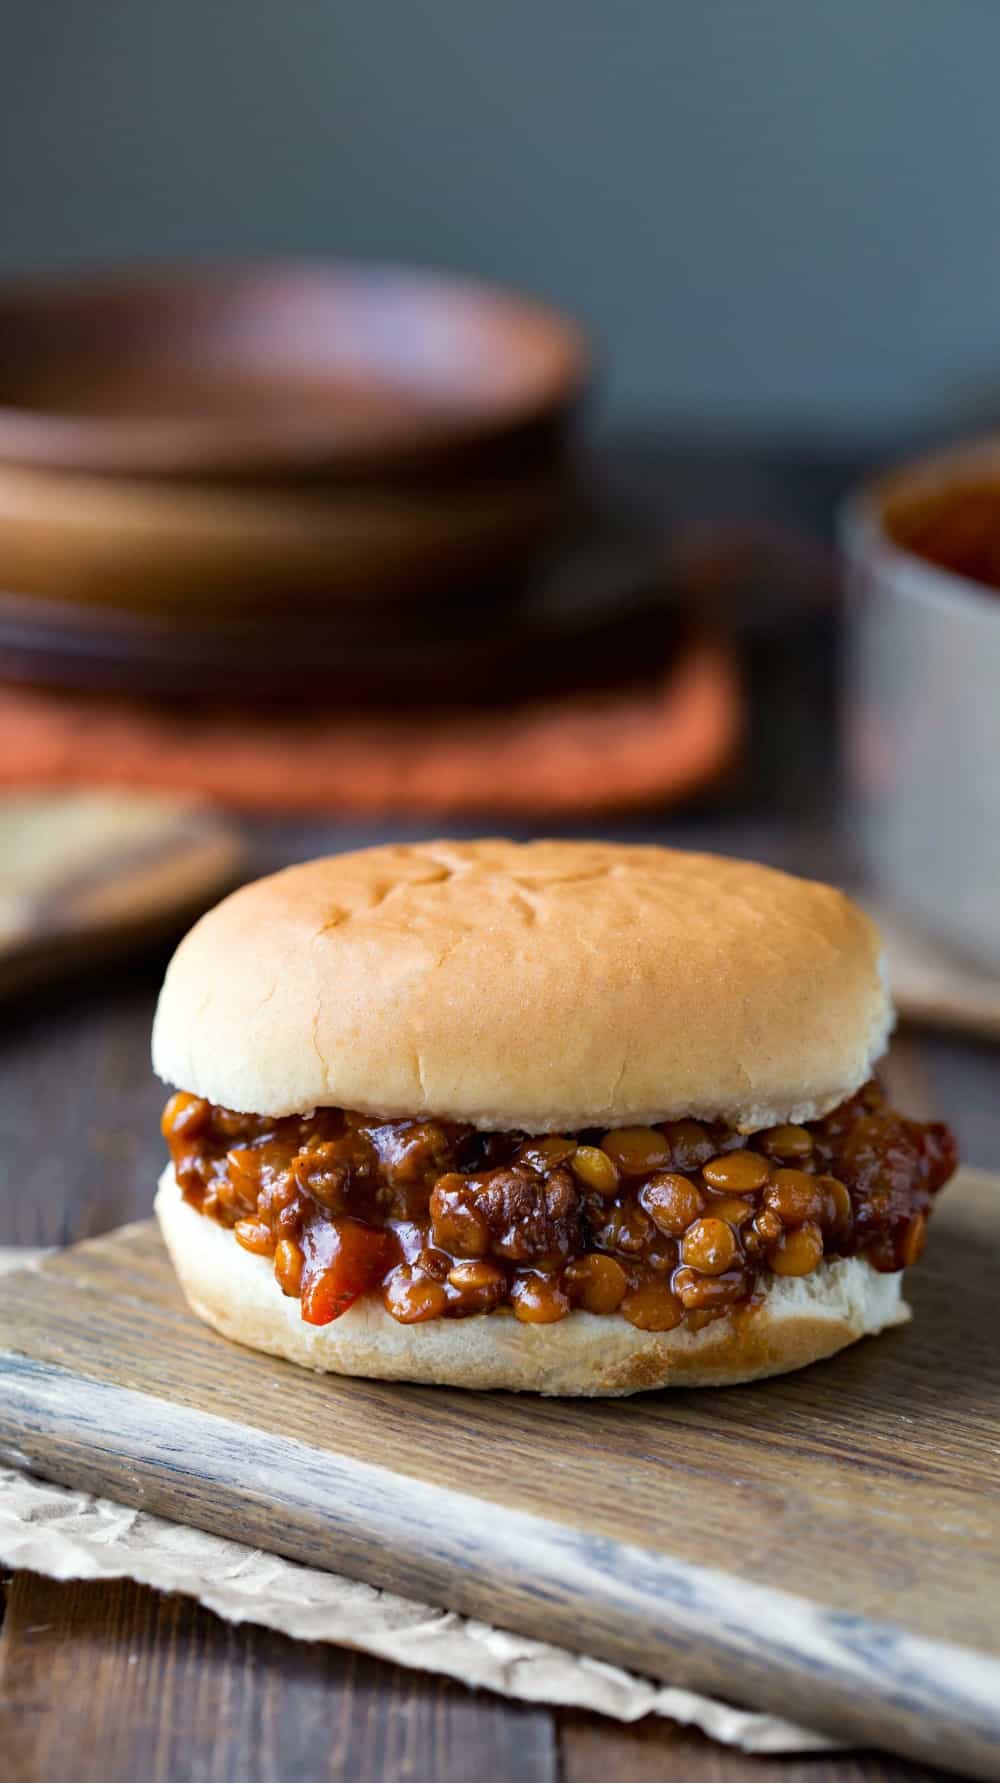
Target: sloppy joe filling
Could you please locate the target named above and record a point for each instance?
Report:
(665, 1225)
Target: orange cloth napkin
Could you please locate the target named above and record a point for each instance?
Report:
(587, 752)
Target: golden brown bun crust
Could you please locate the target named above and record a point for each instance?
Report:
(800, 1321)
(546, 986)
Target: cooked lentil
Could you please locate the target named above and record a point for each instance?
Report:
(660, 1224)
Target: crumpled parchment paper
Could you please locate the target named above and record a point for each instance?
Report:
(72, 1535)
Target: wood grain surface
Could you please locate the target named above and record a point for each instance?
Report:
(161, 1689)
(806, 1545)
(154, 1680)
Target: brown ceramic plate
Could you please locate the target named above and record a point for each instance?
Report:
(592, 616)
(278, 370)
(194, 548)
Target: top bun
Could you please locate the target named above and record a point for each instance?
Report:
(543, 986)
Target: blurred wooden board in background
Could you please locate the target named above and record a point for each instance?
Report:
(87, 875)
(931, 985)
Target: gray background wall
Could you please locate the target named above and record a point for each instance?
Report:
(777, 214)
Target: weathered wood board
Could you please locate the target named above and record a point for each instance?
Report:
(826, 1545)
(88, 876)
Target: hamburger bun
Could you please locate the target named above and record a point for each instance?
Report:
(547, 987)
(542, 986)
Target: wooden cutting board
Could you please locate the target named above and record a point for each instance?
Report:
(88, 875)
(825, 1545)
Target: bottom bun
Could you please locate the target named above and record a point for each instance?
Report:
(800, 1320)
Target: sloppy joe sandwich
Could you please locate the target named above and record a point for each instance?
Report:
(558, 1116)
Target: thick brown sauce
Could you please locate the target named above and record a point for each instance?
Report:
(663, 1224)
(956, 526)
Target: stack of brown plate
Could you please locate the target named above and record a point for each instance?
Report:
(329, 483)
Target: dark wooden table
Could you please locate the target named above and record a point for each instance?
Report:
(113, 1681)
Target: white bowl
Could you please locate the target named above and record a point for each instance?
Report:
(922, 708)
